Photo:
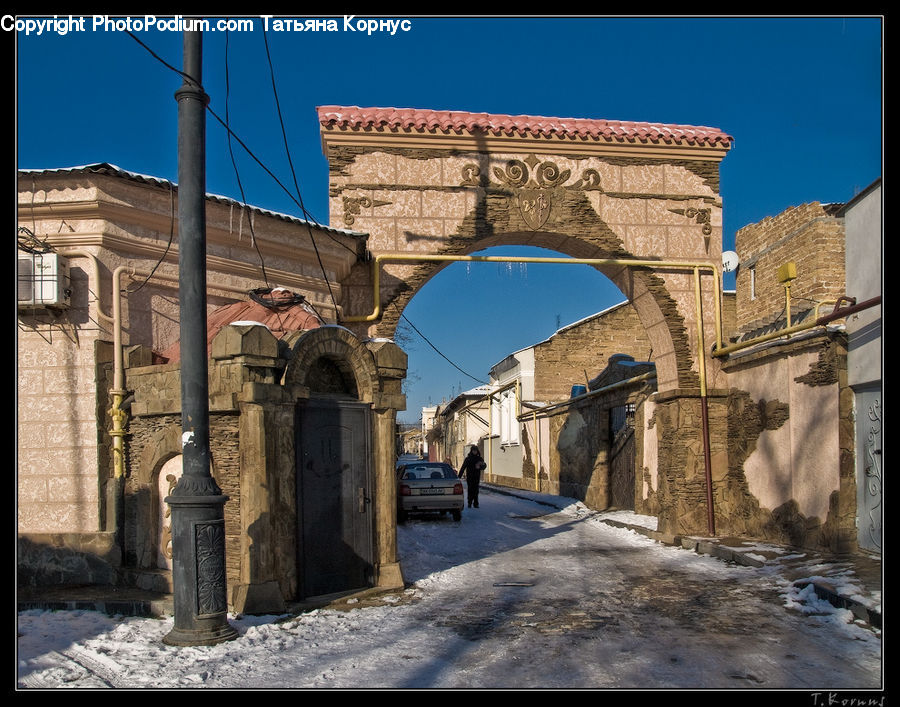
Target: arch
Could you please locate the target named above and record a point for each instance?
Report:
(347, 358)
(647, 291)
(163, 446)
(437, 182)
(168, 476)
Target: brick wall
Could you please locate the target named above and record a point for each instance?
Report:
(561, 361)
(810, 236)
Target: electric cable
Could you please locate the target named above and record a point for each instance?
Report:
(425, 339)
(307, 215)
(171, 238)
(287, 150)
(30, 243)
(237, 175)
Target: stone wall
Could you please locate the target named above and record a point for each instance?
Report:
(808, 235)
(255, 383)
(790, 436)
(579, 456)
(151, 441)
(579, 351)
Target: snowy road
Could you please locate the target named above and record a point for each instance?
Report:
(517, 595)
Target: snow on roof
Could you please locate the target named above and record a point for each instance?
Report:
(561, 329)
(113, 170)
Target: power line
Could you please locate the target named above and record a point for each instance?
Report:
(425, 339)
(307, 216)
(287, 150)
(234, 164)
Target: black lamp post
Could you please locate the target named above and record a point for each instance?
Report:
(197, 503)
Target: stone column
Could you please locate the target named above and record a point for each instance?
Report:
(390, 362)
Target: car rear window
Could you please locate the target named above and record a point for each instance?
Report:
(436, 471)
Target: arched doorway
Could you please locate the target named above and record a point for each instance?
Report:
(340, 482)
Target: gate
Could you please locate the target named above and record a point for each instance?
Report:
(869, 470)
(621, 458)
(334, 492)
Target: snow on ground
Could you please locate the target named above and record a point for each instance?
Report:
(408, 639)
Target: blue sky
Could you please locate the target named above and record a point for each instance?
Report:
(801, 96)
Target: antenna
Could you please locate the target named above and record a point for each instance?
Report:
(730, 261)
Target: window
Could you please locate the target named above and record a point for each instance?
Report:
(509, 425)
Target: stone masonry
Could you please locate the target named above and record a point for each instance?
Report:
(809, 235)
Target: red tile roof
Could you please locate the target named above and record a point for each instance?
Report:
(522, 125)
(283, 316)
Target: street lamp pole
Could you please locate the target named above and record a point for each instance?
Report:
(196, 502)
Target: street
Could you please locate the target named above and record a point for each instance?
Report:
(516, 595)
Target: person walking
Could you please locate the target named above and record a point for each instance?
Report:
(471, 470)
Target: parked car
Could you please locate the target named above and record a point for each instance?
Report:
(428, 487)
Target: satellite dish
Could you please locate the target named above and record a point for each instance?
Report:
(730, 261)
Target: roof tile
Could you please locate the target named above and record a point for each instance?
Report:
(354, 117)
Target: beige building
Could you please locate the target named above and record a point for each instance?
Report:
(98, 398)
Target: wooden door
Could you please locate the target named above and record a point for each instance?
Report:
(621, 471)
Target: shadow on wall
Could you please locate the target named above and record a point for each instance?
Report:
(583, 472)
(67, 559)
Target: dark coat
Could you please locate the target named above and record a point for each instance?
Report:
(472, 467)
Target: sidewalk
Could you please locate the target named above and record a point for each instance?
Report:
(847, 581)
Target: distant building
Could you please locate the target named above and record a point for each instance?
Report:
(459, 424)
(428, 415)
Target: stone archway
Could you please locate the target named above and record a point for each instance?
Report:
(441, 183)
(434, 182)
(314, 351)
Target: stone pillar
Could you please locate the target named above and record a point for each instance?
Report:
(681, 466)
(268, 544)
(388, 572)
(246, 375)
(390, 362)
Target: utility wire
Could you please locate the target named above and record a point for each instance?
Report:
(287, 150)
(425, 339)
(169, 244)
(234, 165)
(306, 214)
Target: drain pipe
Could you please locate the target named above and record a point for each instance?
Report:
(114, 495)
(704, 408)
(817, 320)
(381, 258)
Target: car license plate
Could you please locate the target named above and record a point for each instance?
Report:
(431, 492)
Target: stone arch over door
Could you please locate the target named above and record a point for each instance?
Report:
(355, 385)
(332, 352)
(442, 183)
